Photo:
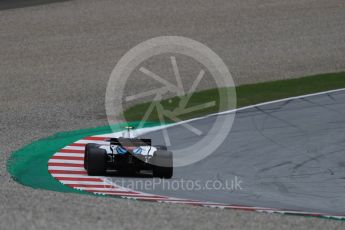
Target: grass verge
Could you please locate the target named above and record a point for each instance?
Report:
(246, 95)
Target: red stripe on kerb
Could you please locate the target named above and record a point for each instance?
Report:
(65, 164)
(240, 208)
(90, 186)
(95, 138)
(67, 158)
(230, 206)
(67, 172)
(77, 144)
(112, 192)
(79, 179)
(71, 151)
(179, 200)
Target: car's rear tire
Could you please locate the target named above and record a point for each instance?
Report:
(87, 149)
(96, 162)
(163, 164)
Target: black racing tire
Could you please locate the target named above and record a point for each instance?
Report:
(96, 162)
(163, 164)
(87, 149)
(161, 147)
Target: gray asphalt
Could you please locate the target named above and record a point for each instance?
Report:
(288, 155)
(12, 4)
(55, 61)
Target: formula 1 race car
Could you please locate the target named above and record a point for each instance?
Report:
(128, 155)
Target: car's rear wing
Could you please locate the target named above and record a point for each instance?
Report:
(130, 141)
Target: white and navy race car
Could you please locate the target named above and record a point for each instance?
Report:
(128, 155)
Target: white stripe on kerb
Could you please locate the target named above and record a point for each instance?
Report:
(82, 141)
(74, 147)
(74, 175)
(65, 161)
(83, 182)
(66, 168)
(58, 154)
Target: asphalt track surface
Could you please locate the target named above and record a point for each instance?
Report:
(55, 62)
(12, 4)
(288, 155)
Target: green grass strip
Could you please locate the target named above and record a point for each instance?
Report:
(246, 95)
